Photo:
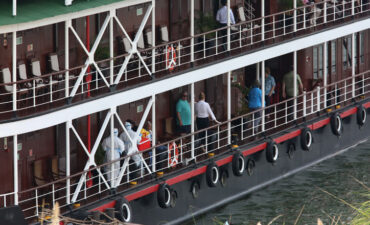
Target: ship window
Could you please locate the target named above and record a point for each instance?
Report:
(333, 56)
(355, 48)
(320, 61)
(347, 52)
(362, 41)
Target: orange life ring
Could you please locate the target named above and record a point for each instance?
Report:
(173, 159)
(170, 58)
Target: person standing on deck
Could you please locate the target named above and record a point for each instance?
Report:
(255, 103)
(183, 114)
(203, 111)
(130, 148)
(269, 88)
(119, 147)
(221, 18)
(288, 90)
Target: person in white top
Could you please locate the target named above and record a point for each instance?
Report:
(221, 18)
(202, 112)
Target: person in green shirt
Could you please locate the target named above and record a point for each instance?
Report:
(183, 114)
(288, 91)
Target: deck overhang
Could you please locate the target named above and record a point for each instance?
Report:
(186, 78)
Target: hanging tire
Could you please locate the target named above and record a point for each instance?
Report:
(272, 152)
(195, 187)
(212, 174)
(306, 139)
(250, 166)
(336, 124)
(223, 177)
(124, 211)
(361, 115)
(164, 195)
(238, 164)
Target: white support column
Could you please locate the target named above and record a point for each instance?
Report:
(192, 120)
(295, 83)
(258, 71)
(263, 94)
(112, 172)
(353, 66)
(14, 69)
(353, 7)
(263, 20)
(14, 7)
(192, 30)
(228, 26)
(325, 11)
(111, 45)
(15, 168)
(325, 72)
(229, 107)
(295, 15)
(153, 36)
(154, 133)
(67, 24)
(68, 163)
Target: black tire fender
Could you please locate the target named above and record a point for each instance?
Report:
(361, 115)
(238, 164)
(212, 174)
(272, 152)
(124, 211)
(336, 124)
(164, 195)
(306, 139)
(250, 166)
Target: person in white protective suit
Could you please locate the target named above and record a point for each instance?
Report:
(130, 149)
(119, 147)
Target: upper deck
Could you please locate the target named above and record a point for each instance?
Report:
(131, 59)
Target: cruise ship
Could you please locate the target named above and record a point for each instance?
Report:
(100, 102)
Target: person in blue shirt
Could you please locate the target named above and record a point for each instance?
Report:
(183, 114)
(255, 103)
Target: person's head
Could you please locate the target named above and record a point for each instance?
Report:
(256, 84)
(202, 96)
(223, 2)
(184, 95)
(128, 125)
(267, 71)
(115, 132)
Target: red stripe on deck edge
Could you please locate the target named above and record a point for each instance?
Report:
(105, 206)
(367, 105)
(255, 149)
(286, 137)
(320, 124)
(142, 193)
(348, 112)
(222, 162)
(186, 175)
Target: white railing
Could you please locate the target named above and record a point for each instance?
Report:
(165, 158)
(244, 36)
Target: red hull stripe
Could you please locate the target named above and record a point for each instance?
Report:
(142, 193)
(105, 206)
(348, 112)
(286, 137)
(255, 149)
(320, 124)
(186, 175)
(222, 162)
(367, 105)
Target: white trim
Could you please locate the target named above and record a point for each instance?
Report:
(147, 90)
(61, 18)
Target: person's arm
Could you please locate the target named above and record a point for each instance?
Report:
(218, 16)
(300, 84)
(273, 86)
(211, 113)
(232, 19)
(178, 109)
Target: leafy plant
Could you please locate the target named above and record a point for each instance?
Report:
(242, 100)
(288, 4)
(205, 22)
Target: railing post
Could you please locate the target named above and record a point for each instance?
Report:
(273, 26)
(353, 7)
(318, 99)
(204, 46)
(304, 18)
(112, 13)
(295, 79)
(263, 94)
(312, 102)
(242, 129)
(263, 20)
(229, 107)
(154, 133)
(192, 120)
(304, 104)
(284, 23)
(153, 37)
(334, 12)
(68, 165)
(14, 70)
(228, 26)
(325, 72)
(192, 30)
(325, 11)
(15, 168)
(253, 124)
(67, 24)
(353, 66)
(295, 15)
